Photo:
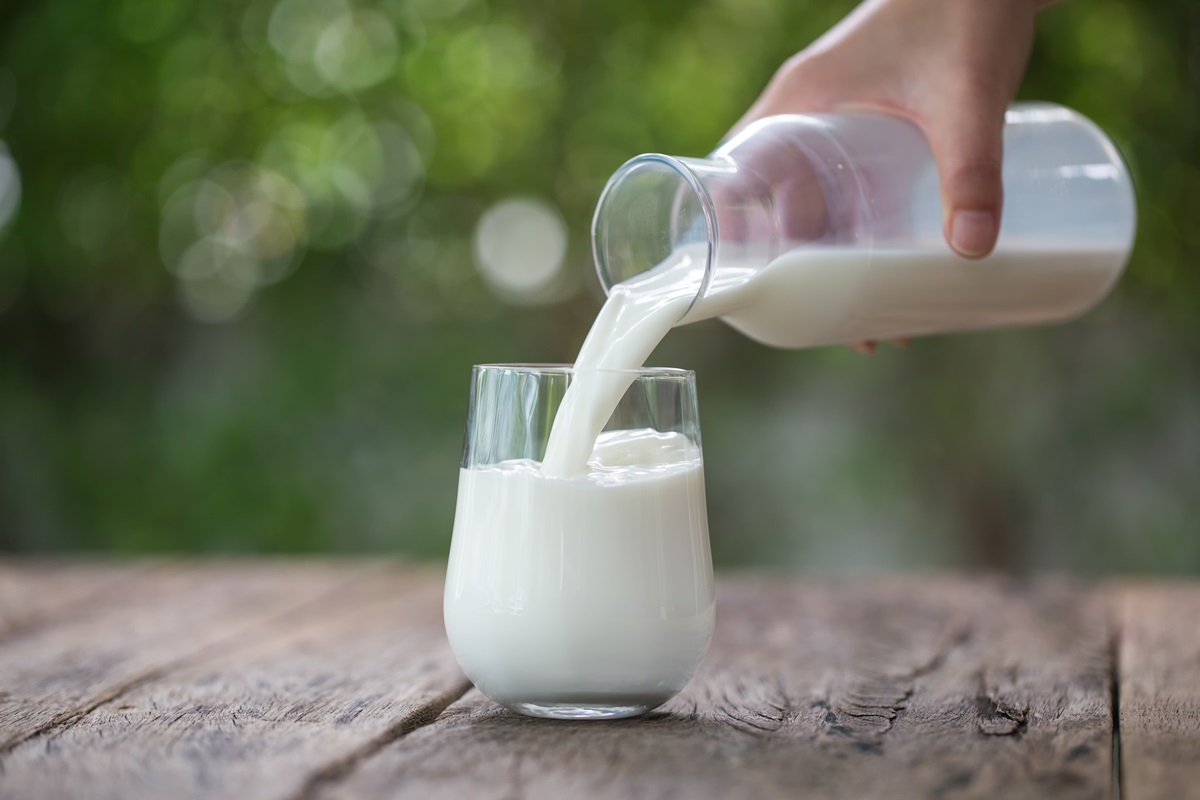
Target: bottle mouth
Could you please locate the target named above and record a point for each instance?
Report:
(654, 206)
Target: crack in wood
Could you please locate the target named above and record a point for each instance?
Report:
(71, 717)
(768, 693)
(998, 717)
(877, 694)
(425, 714)
(999, 710)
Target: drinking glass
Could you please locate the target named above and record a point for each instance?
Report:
(589, 596)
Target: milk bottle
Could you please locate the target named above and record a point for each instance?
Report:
(830, 228)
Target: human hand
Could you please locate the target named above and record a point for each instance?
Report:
(949, 66)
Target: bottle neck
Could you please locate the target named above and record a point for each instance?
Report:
(656, 208)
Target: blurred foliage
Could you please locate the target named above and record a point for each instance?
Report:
(239, 303)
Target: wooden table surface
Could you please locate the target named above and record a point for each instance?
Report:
(326, 679)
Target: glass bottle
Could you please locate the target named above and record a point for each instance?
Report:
(820, 229)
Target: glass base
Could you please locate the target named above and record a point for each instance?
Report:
(578, 710)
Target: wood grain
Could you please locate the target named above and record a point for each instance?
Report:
(52, 676)
(326, 680)
(906, 688)
(1159, 669)
(293, 707)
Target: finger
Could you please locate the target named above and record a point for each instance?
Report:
(967, 142)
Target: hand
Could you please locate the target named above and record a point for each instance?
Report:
(949, 66)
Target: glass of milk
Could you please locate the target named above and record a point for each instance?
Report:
(590, 595)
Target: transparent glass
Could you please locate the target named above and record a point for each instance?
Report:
(588, 597)
(828, 228)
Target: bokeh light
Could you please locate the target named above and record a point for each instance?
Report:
(236, 229)
(356, 51)
(10, 187)
(348, 171)
(520, 244)
(328, 46)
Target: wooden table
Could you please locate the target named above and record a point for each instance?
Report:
(322, 679)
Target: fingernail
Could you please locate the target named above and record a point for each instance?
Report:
(865, 348)
(972, 233)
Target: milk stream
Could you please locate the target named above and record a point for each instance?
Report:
(590, 591)
(812, 296)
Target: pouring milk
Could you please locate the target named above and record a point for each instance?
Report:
(581, 587)
(805, 230)
(814, 296)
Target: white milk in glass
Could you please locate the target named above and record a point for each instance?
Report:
(585, 596)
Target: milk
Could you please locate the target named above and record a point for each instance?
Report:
(630, 325)
(594, 590)
(817, 296)
(813, 296)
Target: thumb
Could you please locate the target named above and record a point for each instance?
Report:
(968, 146)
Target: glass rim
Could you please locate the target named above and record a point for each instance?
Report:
(569, 369)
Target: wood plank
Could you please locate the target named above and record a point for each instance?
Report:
(51, 676)
(36, 591)
(300, 702)
(916, 688)
(1159, 669)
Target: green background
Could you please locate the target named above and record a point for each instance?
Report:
(309, 393)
